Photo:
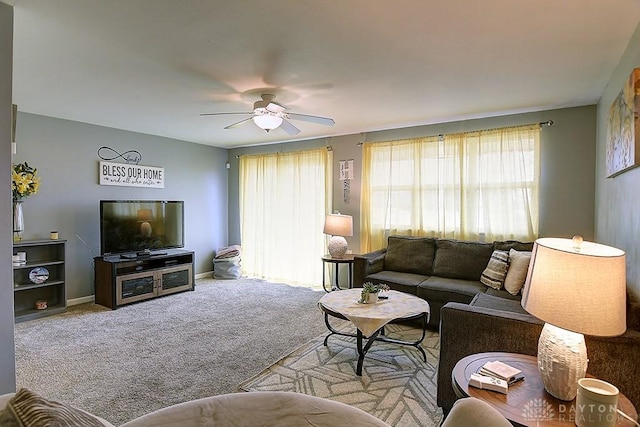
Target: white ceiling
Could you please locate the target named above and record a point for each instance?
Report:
(153, 66)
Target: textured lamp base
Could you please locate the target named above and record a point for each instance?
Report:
(337, 246)
(562, 360)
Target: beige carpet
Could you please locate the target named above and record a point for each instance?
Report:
(120, 364)
(396, 385)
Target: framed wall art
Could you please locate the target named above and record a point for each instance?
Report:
(623, 131)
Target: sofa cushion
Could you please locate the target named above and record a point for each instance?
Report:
(26, 408)
(507, 245)
(496, 271)
(404, 282)
(457, 259)
(443, 289)
(503, 294)
(633, 314)
(497, 303)
(410, 254)
(517, 273)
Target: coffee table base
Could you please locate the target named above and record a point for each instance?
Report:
(376, 336)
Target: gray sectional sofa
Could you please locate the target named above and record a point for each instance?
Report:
(436, 270)
(474, 318)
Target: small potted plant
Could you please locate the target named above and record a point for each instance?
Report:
(369, 294)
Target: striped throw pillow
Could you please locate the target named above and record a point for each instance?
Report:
(496, 271)
(32, 410)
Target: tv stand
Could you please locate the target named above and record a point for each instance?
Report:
(142, 254)
(152, 254)
(123, 280)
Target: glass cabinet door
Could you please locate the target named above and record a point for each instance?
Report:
(135, 287)
(175, 279)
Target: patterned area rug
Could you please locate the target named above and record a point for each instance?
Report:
(396, 385)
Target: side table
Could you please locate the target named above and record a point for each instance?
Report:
(347, 259)
(527, 403)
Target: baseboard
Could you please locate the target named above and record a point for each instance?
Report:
(205, 275)
(81, 300)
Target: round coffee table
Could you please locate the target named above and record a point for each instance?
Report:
(527, 403)
(370, 319)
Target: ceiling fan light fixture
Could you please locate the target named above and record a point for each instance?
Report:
(267, 121)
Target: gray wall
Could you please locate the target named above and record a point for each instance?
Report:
(7, 357)
(617, 199)
(65, 153)
(567, 164)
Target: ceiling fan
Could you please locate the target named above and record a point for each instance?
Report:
(267, 114)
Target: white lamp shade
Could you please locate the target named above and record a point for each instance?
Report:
(580, 289)
(338, 225)
(145, 214)
(267, 121)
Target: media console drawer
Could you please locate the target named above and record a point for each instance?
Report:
(125, 281)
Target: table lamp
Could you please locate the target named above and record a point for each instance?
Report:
(338, 226)
(577, 288)
(144, 216)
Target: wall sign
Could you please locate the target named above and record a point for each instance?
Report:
(127, 175)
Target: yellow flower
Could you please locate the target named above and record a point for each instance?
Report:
(24, 180)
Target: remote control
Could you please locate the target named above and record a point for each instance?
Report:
(488, 383)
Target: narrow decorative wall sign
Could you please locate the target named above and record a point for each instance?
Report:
(623, 142)
(346, 191)
(346, 169)
(128, 175)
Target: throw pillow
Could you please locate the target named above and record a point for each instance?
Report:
(29, 409)
(496, 271)
(409, 254)
(457, 259)
(517, 273)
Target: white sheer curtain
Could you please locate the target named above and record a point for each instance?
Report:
(284, 198)
(474, 186)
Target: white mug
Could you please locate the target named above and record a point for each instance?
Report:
(596, 403)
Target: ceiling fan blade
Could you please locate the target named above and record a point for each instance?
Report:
(275, 107)
(231, 126)
(289, 128)
(226, 114)
(312, 119)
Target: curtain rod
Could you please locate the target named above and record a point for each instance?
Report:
(545, 123)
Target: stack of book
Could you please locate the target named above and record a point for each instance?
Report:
(501, 371)
(496, 376)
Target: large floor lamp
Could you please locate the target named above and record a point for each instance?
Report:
(577, 288)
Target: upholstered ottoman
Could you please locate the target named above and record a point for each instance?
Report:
(256, 409)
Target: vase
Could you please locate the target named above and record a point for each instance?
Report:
(372, 298)
(18, 220)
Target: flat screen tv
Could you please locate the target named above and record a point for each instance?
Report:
(140, 227)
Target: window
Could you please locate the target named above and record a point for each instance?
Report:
(475, 186)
